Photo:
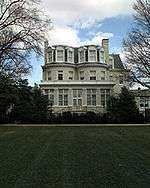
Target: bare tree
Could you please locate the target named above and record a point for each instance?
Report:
(22, 31)
(137, 45)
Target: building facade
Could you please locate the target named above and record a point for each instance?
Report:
(142, 98)
(81, 79)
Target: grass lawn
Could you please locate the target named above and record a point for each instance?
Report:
(74, 157)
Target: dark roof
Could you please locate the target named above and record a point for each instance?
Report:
(117, 62)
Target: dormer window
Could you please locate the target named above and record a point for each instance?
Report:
(70, 56)
(50, 56)
(60, 55)
(92, 56)
(102, 56)
(81, 56)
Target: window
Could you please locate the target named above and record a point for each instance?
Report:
(70, 56)
(103, 75)
(101, 56)
(63, 97)
(92, 75)
(60, 55)
(70, 75)
(50, 55)
(81, 75)
(77, 97)
(103, 101)
(60, 75)
(91, 97)
(49, 75)
(105, 94)
(81, 55)
(51, 97)
(92, 55)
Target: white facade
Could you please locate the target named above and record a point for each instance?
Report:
(81, 79)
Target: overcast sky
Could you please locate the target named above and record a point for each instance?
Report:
(79, 22)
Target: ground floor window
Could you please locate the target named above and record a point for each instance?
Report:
(63, 97)
(105, 94)
(91, 97)
(77, 97)
(51, 97)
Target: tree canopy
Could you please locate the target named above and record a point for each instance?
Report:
(123, 108)
(22, 31)
(137, 44)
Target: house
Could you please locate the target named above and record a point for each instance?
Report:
(81, 79)
(142, 98)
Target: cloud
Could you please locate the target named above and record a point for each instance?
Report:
(85, 11)
(66, 35)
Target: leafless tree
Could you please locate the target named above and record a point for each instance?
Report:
(22, 32)
(137, 45)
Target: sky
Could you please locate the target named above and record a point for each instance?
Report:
(80, 22)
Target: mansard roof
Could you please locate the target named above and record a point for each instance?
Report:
(117, 61)
(66, 46)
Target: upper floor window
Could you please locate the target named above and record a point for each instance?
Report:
(101, 54)
(81, 56)
(60, 75)
(70, 56)
(60, 55)
(92, 75)
(49, 75)
(81, 75)
(103, 75)
(50, 55)
(70, 75)
(92, 55)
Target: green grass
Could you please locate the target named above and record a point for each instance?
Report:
(74, 157)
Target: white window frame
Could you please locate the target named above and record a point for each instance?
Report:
(101, 56)
(82, 75)
(65, 92)
(70, 50)
(92, 75)
(60, 49)
(49, 75)
(77, 97)
(51, 96)
(79, 58)
(106, 95)
(50, 50)
(60, 72)
(92, 48)
(104, 75)
(91, 93)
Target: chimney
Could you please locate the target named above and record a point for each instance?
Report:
(105, 45)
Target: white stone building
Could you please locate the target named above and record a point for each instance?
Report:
(81, 79)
